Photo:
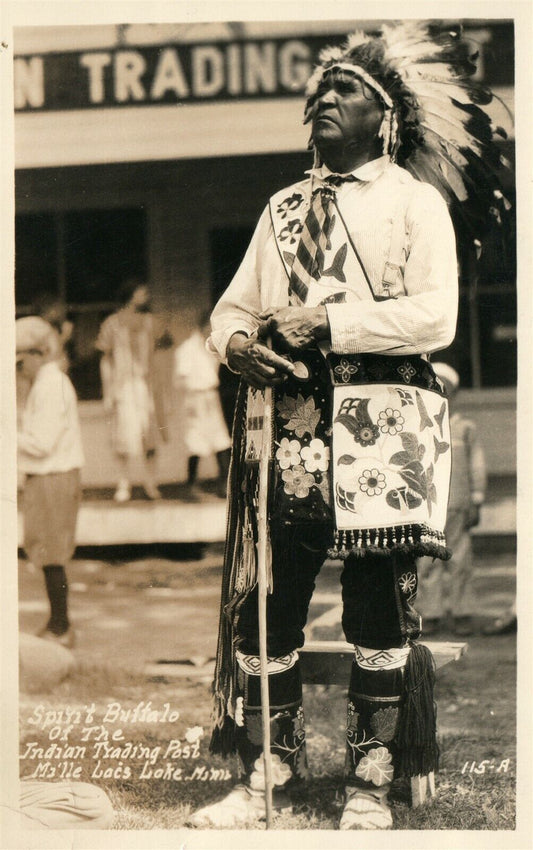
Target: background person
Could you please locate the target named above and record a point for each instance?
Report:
(446, 587)
(204, 429)
(64, 805)
(126, 340)
(505, 624)
(50, 455)
(53, 309)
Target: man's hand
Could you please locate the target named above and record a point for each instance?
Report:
(294, 328)
(259, 366)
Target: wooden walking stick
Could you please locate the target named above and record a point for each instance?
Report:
(263, 571)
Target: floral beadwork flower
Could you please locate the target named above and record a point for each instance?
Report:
(288, 453)
(353, 414)
(291, 231)
(406, 371)
(384, 722)
(376, 767)
(301, 412)
(193, 734)
(390, 421)
(315, 456)
(281, 773)
(366, 435)
(345, 370)
(290, 204)
(372, 482)
(407, 583)
(297, 481)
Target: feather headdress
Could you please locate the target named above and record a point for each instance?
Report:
(434, 123)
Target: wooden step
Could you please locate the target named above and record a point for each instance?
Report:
(105, 523)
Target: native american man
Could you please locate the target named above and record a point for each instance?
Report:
(349, 283)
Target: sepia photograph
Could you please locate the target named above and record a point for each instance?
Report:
(261, 395)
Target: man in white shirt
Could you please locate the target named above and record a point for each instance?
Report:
(50, 455)
(350, 280)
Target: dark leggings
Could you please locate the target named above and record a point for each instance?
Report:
(377, 592)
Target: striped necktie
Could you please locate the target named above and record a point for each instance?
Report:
(314, 241)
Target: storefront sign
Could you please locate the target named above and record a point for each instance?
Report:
(182, 73)
(188, 73)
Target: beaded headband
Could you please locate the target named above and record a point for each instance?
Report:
(357, 71)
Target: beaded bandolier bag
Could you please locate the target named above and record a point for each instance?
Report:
(361, 442)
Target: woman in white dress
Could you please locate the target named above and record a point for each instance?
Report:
(126, 340)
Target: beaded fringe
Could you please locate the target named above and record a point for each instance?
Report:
(419, 539)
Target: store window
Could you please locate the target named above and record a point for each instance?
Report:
(81, 258)
(36, 257)
(228, 246)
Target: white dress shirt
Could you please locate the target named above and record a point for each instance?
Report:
(420, 314)
(49, 439)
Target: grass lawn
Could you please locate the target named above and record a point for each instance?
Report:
(476, 718)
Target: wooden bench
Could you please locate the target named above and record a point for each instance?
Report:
(328, 662)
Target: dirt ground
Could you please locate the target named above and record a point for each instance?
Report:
(133, 608)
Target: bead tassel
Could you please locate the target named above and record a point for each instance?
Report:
(420, 539)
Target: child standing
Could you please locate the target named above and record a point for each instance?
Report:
(50, 455)
(205, 431)
(445, 586)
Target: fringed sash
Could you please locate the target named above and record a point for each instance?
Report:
(239, 574)
(224, 683)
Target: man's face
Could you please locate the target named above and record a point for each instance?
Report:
(346, 112)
